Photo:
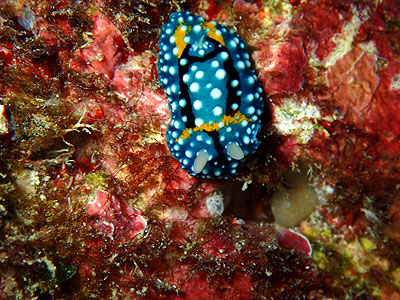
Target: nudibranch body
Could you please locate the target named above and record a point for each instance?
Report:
(214, 96)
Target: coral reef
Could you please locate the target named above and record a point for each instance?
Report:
(93, 205)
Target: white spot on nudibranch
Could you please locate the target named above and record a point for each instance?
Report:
(197, 104)
(182, 103)
(234, 83)
(174, 106)
(198, 122)
(251, 110)
(217, 172)
(177, 124)
(167, 56)
(220, 74)
(199, 74)
(189, 153)
(185, 78)
(217, 111)
(224, 55)
(240, 65)
(215, 63)
(197, 28)
(172, 70)
(194, 87)
(250, 97)
(216, 93)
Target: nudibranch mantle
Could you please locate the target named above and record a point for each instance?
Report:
(214, 95)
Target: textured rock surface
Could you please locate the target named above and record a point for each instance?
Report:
(92, 204)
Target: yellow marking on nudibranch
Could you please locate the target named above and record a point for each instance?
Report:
(227, 120)
(179, 34)
(212, 32)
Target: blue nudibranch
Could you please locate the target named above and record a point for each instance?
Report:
(214, 96)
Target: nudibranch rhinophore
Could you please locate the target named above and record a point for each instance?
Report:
(214, 95)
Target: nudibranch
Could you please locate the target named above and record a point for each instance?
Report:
(215, 98)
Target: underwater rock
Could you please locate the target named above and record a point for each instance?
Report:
(94, 205)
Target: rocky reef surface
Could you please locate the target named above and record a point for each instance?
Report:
(93, 205)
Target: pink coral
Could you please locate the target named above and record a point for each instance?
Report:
(281, 67)
(292, 240)
(103, 53)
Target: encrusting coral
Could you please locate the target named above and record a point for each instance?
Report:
(93, 204)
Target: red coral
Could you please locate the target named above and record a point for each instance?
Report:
(196, 287)
(114, 218)
(318, 22)
(365, 137)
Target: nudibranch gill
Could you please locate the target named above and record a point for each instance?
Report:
(215, 98)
